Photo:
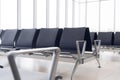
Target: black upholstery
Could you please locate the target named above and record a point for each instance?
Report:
(8, 38)
(69, 37)
(107, 38)
(93, 36)
(117, 39)
(48, 37)
(0, 32)
(26, 39)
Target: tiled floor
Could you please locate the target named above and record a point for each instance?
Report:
(89, 71)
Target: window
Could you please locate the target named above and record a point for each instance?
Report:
(62, 14)
(107, 15)
(26, 13)
(8, 14)
(76, 16)
(93, 16)
(117, 15)
(82, 15)
(41, 13)
(52, 13)
(69, 13)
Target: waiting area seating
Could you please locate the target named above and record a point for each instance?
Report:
(26, 39)
(9, 38)
(110, 41)
(19, 74)
(106, 38)
(93, 36)
(117, 39)
(74, 43)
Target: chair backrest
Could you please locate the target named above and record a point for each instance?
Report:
(9, 37)
(93, 36)
(117, 39)
(70, 35)
(0, 32)
(26, 39)
(107, 38)
(48, 37)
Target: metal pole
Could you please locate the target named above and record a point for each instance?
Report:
(57, 13)
(66, 13)
(34, 13)
(47, 13)
(73, 13)
(0, 13)
(18, 14)
(86, 13)
(79, 13)
(99, 15)
(114, 24)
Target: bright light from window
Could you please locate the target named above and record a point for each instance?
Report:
(8, 14)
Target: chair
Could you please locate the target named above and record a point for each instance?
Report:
(26, 39)
(1, 32)
(93, 36)
(75, 42)
(48, 37)
(117, 39)
(9, 38)
(107, 38)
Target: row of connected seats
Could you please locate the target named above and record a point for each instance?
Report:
(29, 38)
(108, 39)
(73, 42)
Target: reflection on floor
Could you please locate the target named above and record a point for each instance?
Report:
(110, 67)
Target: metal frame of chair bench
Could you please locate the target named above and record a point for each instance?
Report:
(80, 56)
(52, 73)
(77, 44)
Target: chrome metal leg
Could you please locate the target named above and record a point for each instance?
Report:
(1, 66)
(74, 69)
(58, 78)
(96, 57)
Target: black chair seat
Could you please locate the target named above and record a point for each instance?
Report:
(9, 38)
(107, 38)
(26, 39)
(93, 36)
(48, 37)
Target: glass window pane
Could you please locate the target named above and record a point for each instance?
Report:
(107, 15)
(81, 0)
(52, 14)
(92, 0)
(41, 13)
(117, 15)
(62, 14)
(8, 14)
(76, 14)
(82, 15)
(26, 13)
(93, 16)
(69, 13)
(0, 14)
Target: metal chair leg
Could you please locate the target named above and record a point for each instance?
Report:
(96, 57)
(58, 78)
(1, 66)
(74, 69)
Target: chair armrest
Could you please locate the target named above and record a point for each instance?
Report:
(80, 50)
(12, 54)
(97, 44)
